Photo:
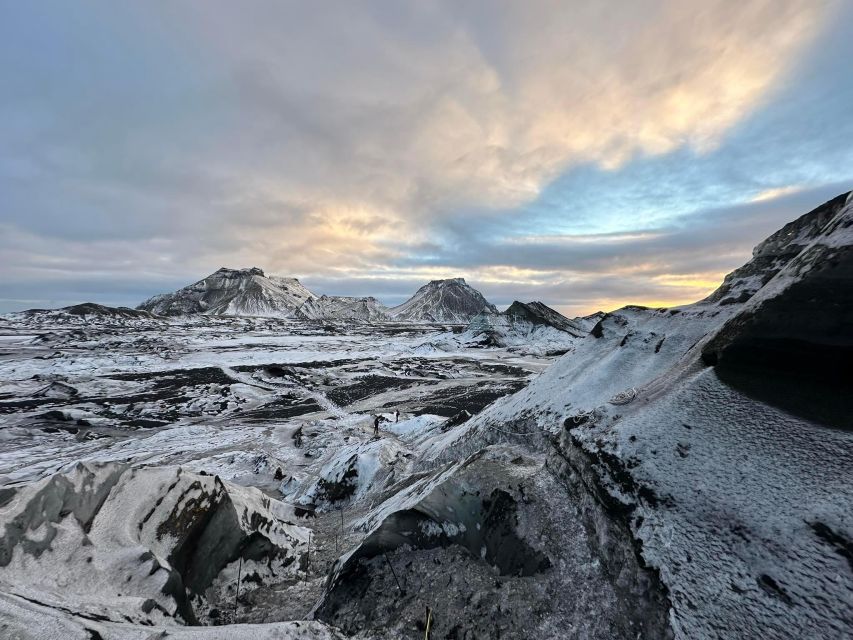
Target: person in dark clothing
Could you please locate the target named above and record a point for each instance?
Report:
(376, 420)
(397, 416)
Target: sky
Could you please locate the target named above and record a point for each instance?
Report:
(587, 154)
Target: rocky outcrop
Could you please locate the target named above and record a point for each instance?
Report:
(529, 327)
(493, 547)
(92, 309)
(451, 301)
(792, 344)
(237, 292)
(522, 319)
(537, 313)
(86, 312)
(773, 254)
(367, 309)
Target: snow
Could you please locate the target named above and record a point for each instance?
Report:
(749, 479)
(354, 466)
(250, 292)
(343, 308)
(413, 426)
(450, 301)
(531, 328)
(100, 538)
(735, 502)
(246, 292)
(621, 488)
(17, 616)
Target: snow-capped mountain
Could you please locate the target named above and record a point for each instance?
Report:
(247, 292)
(452, 301)
(531, 327)
(343, 308)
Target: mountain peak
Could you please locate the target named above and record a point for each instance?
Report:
(229, 291)
(249, 271)
(538, 313)
(447, 281)
(450, 300)
(772, 254)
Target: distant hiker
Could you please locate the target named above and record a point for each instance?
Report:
(376, 420)
(397, 416)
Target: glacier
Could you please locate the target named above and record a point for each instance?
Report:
(206, 466)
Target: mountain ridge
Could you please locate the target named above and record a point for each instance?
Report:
(526, 326)
(363, 309)
(250, 292)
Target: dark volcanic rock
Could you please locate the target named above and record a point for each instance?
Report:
(774, 253)
(468, 542)
(537, 313)
(794, 348)
(91, 309)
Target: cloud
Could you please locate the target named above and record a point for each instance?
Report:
(371, 142)
(674, 264)
(423, 125)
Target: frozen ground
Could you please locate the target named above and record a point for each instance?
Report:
(222, 394)
(273, 405)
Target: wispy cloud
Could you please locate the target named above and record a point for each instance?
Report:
(776, 192)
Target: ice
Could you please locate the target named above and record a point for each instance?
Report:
(675, 473)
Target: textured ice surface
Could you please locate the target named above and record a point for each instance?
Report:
(281, 406)
(743, 507)
(138, 545)
(646, 484)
